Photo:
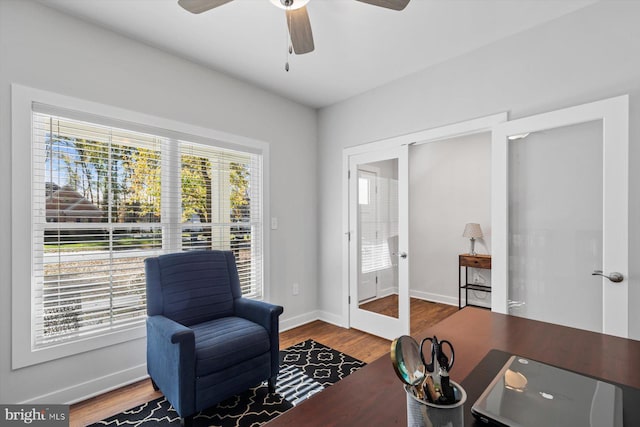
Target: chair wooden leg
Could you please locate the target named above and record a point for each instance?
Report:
(154, 385)
(186, 421)
(272, 384)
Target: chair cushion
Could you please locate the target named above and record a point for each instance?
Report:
(228, 341)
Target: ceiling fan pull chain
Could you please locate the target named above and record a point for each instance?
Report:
(290, 48)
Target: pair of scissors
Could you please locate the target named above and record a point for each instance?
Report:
(437, 354)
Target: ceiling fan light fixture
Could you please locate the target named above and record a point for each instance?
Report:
(300, 37)
(289, 4)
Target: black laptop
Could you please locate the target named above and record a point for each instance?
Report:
(526, 393)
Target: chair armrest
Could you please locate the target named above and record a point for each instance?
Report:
(170, 330)
(259, 312)
(171, 361)
(266, 315)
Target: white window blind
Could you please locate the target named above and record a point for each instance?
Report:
(221, 207)
(106, 198)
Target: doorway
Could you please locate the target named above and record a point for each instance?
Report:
(449, 186)
(403, 258)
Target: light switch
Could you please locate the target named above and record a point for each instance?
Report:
(274, 223)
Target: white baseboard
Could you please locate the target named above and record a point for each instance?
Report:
(334, 319)
(303, 319)
(95, 387)
(294, 322)
(385, 292)
(429, 296)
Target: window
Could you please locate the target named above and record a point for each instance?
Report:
(105, 194)
(114, 197)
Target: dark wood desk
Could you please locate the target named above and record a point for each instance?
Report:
(373, 396)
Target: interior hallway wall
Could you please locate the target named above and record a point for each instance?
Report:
(449, 186)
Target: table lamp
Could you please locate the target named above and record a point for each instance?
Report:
(472, 230)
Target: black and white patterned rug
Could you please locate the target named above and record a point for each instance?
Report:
(305, 369)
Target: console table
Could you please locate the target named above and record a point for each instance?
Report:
(373, 396)
(475, 261)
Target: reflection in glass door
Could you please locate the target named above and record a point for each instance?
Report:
(378, 267)
(377, 237)
(368, 218)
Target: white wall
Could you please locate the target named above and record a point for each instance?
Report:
(449, 186)
(47, 50)
(585, 56)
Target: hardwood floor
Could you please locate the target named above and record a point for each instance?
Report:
(423, 313)
(100, 407)
(387, 306)
(350, 341)
(426, 313)
(353, 342)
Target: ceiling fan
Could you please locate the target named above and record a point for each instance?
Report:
(297, 17)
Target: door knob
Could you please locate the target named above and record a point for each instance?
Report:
(403, 254)
(615, 277)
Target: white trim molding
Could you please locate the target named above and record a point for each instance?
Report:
(92, 388)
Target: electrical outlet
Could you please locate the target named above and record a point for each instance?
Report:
(274, 223)
(296, 289)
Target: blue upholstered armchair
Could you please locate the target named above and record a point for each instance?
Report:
(205, 342)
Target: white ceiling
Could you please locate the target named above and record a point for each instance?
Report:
(357, 46)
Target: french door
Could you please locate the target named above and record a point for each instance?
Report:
(378, 242)
(560, 217)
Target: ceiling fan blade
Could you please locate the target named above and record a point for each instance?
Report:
(300, 30)
(388, 4)
(199, 6)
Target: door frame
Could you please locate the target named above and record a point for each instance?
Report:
(614, 113)
(467, 127)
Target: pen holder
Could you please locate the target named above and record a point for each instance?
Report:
(421, 413)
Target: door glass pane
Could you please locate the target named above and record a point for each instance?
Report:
(378, 237)
(555, 225)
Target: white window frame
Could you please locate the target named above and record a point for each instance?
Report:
(22, 99)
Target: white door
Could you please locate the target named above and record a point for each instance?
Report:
(379, 250)
(560, 216)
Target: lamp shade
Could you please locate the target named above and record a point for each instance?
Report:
(472, 230)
